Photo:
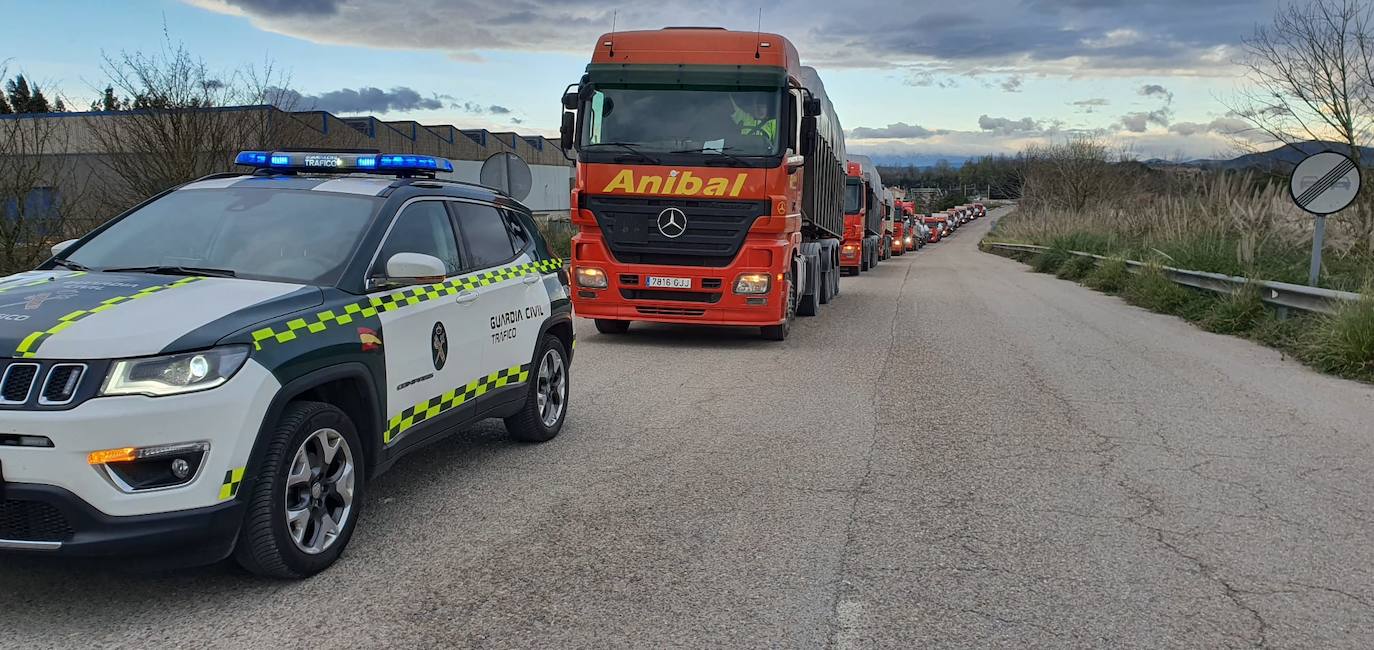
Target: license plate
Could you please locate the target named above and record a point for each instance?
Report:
(670, 283)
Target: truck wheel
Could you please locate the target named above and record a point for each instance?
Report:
(780, 331)
(547, 404)
(306, 499)
(835, 280)
(827, 288)
(607, 326)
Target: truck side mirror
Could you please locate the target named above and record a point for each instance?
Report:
(570, 100)
(812, 106)
(565, 131)
(808, 134)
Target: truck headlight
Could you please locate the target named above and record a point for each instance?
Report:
(174, 374)
(752, 283)
(591, 277)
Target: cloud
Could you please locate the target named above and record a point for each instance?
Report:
(281, 8)
(1139, 122)
(1091, 104)
(497, 109)
(1069, 36)
(1228, 126)
(1013, 83)
(367, 99)
(1156, 90)
(898, 130)
(1007, 125)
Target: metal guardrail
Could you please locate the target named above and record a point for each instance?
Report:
(1280, 294)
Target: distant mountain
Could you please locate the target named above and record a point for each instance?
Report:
(1281, 159)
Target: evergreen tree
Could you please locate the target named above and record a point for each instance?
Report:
(24, 98)
(4, 105)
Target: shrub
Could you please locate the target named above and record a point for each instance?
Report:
(1343, 343)
(1110, 276)
(1236, 313)
(1050, 260)
(1076, 268)
(1151, 289)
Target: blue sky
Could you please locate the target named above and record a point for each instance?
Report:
(906, 77)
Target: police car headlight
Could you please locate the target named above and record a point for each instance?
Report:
(174, 374)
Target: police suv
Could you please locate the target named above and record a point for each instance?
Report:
(218, 370)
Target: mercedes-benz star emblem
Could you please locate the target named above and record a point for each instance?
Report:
(672, 222)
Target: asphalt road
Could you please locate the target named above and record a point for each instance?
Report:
(957, 453)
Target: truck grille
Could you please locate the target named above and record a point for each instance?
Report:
(32, 521)
(670, 311)
(674, 296)
(714, 235)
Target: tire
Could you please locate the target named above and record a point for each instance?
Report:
(780, 331)
(827, 283)
(607, 326)
(266, 544)
(546, 407)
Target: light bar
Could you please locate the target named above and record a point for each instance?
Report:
(324, 162)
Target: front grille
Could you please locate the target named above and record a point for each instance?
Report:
(63, 380)
(710, 283)
(32, 521)
(670, 311)
(675, 296)
(714, 235)
(17, 382)
(629, 279)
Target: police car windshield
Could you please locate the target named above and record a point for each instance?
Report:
(283, 235)
(664, 120)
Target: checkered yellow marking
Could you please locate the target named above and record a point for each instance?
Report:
(374, 305)
(433, 406)
(28, 348)
(232, 479)
(46, 280)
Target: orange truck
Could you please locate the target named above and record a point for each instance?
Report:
(863, 216)
(911, 237)
(939, 226)
(710, 181)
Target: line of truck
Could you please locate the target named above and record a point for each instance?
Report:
(713, 185)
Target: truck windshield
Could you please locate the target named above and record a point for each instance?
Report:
(283, 235)
(853, 196)
(671, 120)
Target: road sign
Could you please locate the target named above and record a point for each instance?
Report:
(1325, 183)
(509, 173)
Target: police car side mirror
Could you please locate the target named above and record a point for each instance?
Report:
(59, 248)
(411, 268)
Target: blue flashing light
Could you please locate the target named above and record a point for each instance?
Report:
(325, 162)
(251, 158)
(407, 161)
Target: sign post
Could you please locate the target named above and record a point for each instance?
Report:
(1323, 184)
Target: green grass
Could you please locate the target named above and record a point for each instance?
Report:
(1050, 260)
(1153, 290)
(1076, 268)
(1110, 276)
(1343, 343)
(1235, 314)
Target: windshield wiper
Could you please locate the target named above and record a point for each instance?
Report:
(628, 146)
(723, 152)
(75, 266)
(174, 270)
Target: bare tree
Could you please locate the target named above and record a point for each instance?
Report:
(1310, 74)
(183, 120)
(1312, 78)
(41, 195)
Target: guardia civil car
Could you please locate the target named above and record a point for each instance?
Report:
(218, 370)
